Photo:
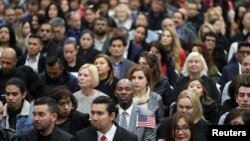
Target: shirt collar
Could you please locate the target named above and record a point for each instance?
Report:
(128, 111)
(109, 135)
(36, 59)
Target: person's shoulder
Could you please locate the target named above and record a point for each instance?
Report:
(143, 111)
(85, 132)
(9, 134)
(79, 116)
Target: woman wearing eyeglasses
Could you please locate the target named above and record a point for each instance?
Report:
(181, 127)
(187, 102)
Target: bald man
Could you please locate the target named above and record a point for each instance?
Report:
(125, 92)
(8, 65)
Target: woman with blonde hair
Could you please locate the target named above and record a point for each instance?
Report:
(22, 32)
(187, 102)
(88, 79)
(205, 28)
(170, 41)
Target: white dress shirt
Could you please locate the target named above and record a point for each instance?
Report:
(109, 135)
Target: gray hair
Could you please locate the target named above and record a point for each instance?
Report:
(204, 70)
(55, 22)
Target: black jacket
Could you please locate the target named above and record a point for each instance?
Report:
(7, 134)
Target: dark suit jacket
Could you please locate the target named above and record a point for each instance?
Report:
(126, 65)
(90, 134)
(41, 63)
(228, 73)
(57, 135)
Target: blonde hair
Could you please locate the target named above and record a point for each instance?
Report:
(93, 73)
(208, 25)
(196, 104)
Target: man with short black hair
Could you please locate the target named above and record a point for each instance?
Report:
(103, 128)
(117, 49)
(55, 75)
(44, 117)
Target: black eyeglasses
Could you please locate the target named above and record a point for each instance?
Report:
(183, 129)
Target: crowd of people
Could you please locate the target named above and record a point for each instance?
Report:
(109, 70)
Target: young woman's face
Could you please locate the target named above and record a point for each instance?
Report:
(140, 34)
(182, 131)
(89, 16)
(53, 11)
(218, 26)
(26, 29)
(237, 121)
(102, 66)
(196, 87)
(34, 22)
(155, 51)
(65, 5)
(141, 20)
(139, 80)
(69, 52)
(86, 41)
(166, 38)
(185, 105)
(4, 34)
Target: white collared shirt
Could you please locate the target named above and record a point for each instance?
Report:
(128, 115)
(33, 63)
(99, 44)
(109, 135)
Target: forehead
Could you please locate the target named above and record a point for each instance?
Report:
(244, 89)
(46, 26)
(99, 108)
(125, 83)
(185, 101)
(12, 88)
(41, 108)
(64, 99)
(102, 59)
(246, 59)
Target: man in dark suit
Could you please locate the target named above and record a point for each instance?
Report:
(44, 117)
(125, 93)
(232, 70)
(120, 64)
(34, 59)
(103, 128)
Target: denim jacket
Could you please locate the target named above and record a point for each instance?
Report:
(24, 119)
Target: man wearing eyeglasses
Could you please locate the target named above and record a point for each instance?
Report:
(216, 51)
(233, 69)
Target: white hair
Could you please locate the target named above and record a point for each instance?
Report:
(204, 70)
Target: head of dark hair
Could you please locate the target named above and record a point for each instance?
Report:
(115, 38)
(244, 113)
(173, 125)
(50, 102)
(52, 60)
(244, 81)
(17, 82)
(12, 40)
(70, 41)
(19, 7)
(37, 37)
(243, 44)
(112, 23)
(209, 34)
(182, 14)
(31, 79)
(101, 19)
(59, 10)
(87, 31)
(111, 106)
(61, 92)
